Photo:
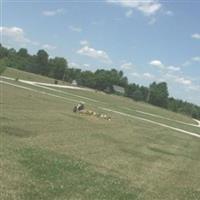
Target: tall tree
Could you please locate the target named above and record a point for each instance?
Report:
(73, 74)
(23, 52)
(3, 51)
(42, 62)
(130, 89)
(137, 95)
(58, 67)
(158, 94)
(88, 79)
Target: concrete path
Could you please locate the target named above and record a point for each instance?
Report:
(37, 91)
(161, 117)
(48, 84)
(153, 122)
(197, 122)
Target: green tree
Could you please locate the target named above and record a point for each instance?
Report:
(130, 89)
(105, 79)
(88, 79)
(23, 52)
(73, 74)
(3, 52)
(172, 104)
(158, 94)
(137, 95)
(12, 52)
(42, 62)
(58, 67)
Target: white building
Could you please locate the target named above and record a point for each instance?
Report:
(118, 89)
(74, 82)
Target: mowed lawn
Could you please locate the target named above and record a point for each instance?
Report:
(49, 152)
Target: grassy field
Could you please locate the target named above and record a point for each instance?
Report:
(48, 152)
(17, 74)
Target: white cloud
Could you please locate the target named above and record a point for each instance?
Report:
(179, 79)
(129, 13)
(148, 75)
(84, 43)
(196, 59)
(135, 74)
(77, 65)
(93, 53)
(17, 35)
(7, 46)
(51, 13)
(157, 63)
(173, 68)
(48, 47)
(163, 67)
(191, 61)
(128, 65)
(186, 63)
(145, 75)
(183, 81)
(86, 65)
(169, 13)
(171, 73)
(74, 65)
(75, 29)
(148, 7)
(196, 36)
(194, 87)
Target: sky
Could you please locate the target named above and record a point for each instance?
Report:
(148, 40)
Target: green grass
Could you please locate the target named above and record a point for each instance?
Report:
(124, 102)
(63, 177)
(48, 152)
(102, 97)
(18, 74)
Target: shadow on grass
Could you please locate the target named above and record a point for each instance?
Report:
(18, 132)
(157, 150)
(62, 177)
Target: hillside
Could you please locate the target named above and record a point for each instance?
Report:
(49, 152)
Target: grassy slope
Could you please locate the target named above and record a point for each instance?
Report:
(110, 100)
(127, 103)
(14, 73)
(48, 152)
(124, 105)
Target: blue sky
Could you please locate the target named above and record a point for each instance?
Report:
(149, 40)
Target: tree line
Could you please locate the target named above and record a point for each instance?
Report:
(156, 94)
